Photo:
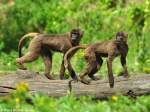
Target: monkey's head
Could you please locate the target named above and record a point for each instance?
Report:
(121, 37)
(76, 35)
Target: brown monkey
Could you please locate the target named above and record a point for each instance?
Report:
(94, 53)
(44, 44)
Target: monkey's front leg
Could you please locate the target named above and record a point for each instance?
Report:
(48, 66)
(123, 62)
(110, 73)
(62, 70)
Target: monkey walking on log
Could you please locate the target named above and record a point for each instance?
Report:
(44, 44)
(94, 53)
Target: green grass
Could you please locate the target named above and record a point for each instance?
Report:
(94, 17)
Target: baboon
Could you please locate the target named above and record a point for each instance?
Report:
(44, 44)
(93, 55)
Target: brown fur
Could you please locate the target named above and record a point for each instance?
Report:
(44, 44)
(94, 53)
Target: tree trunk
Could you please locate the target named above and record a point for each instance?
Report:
(134, 86)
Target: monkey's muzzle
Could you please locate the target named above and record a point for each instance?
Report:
(74, 37)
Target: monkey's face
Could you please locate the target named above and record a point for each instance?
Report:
(121, 37)
(76, 35)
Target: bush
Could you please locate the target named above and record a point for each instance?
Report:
(98, 21)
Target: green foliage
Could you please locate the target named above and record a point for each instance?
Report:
(99, 20)
(7, 61)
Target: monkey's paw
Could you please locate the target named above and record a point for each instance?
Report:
(49, 77)
(87, 82)
(111, 84)
(21, 66)
(124, 74)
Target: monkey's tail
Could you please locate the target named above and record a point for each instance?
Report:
(70, 53)
(22, 40)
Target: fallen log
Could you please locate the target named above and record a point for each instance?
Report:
(134, 86)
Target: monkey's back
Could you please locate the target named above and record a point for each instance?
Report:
(58, 43)
(104, 46)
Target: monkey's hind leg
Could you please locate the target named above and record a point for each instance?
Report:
(91, 65)
(93, 71)
(99, 63)
(34, 51)
(89, 70)
(29, 57)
